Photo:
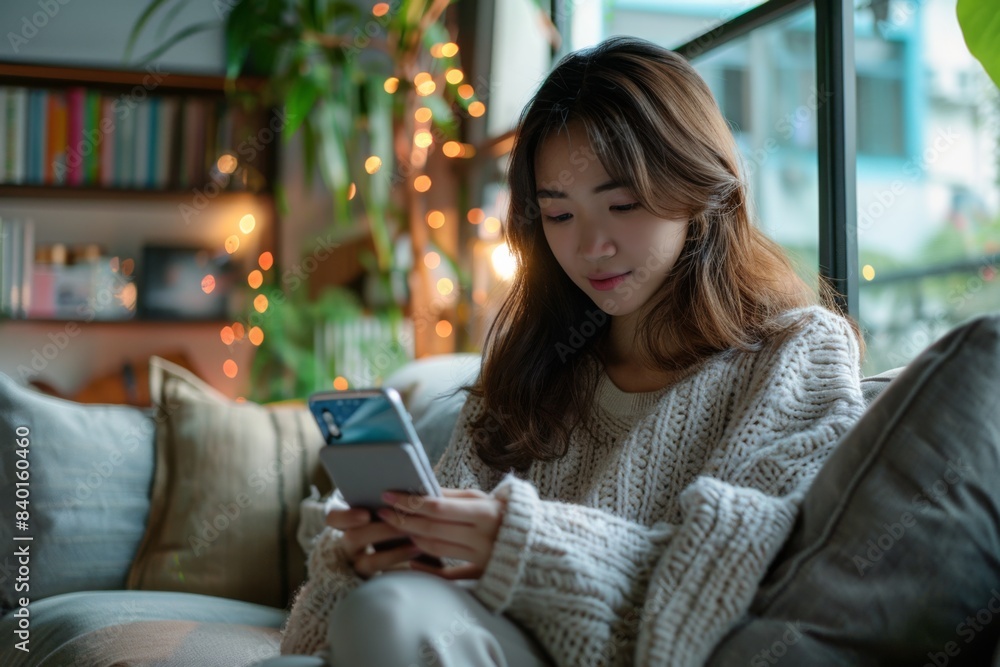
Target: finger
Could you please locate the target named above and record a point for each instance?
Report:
(443, 531)
(463, 493)
(368, 564)
(468, 510)
(445, 549)
(346, 519)
(356, 540)
(451, 573)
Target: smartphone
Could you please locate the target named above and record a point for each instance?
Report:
(372, 447)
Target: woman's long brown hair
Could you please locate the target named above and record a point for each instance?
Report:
(654, 125)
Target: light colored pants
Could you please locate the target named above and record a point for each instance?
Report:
(413, 619)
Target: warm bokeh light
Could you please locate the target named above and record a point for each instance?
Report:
(443, 328)
(465, 91)
(373, 164)
(238, 330)
(266, 260)
(475, 215)
(477, 109)
(479, 296)
(426, 88)
(449, 50)
(380, 9)
(247, 223)
(432, 260)
(227, 335)
(391, 85)
(255, 279)
(226, 163)
(340, 383)
(423, 139)
(422, 115)
(445, 286)
(452, 149)
(232, 244)
(868, 272)
(256, 335)
(436, 50)
(491, 225)
(503, 262)
(454, 76)
(352, 190)
(422, 77)
(422, 183)
(230, 368)
(208, 284)
(435, 219)
(260, 303)
(468, 150)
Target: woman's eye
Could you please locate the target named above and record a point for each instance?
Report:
(625, 207)
(558, 218)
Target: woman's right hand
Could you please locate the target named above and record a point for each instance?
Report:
(360, 533)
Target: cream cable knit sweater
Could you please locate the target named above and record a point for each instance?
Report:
(670, 507)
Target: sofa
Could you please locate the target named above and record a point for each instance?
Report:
(177, 535)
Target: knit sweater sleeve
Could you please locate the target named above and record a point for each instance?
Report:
(598, 590)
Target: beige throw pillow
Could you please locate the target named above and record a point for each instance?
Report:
(226, 491)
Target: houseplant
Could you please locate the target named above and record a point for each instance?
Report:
(374, 93)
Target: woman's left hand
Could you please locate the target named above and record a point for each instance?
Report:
(463, 524)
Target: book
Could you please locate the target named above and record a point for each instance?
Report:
(74, 137)
(140, 148)
(109, 142)
(57, 137)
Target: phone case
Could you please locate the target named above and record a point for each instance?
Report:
(363, 472)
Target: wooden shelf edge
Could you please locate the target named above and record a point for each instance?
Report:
(72, 192)
(133, 322)
(31, 74)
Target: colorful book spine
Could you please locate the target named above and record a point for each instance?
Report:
(109, 142)
(57, 137)
(92, 138)
(74, 150)
(141, 144)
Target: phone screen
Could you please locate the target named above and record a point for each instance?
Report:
(359, 419)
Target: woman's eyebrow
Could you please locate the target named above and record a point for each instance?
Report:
(557, 194)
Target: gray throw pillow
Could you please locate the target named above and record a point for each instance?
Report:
(895, 557)
(83, 475)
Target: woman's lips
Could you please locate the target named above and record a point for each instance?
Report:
(605, 284)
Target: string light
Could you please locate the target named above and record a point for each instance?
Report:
(445, 286)
(232, 244)
(443, 328)
(260, 303)
(422, 183)
(435, 219)
(436, 50)
(227, 335)
(230, 368)
(208, 284)
(503, 262)
(452, 149)
(266, 260)
(238, 330)
(432, 260)
(476, 215)
(380, 9)
(423, 115)
(226, 163)
(449, 50)
(352, 190)
(256, 335)
(373, 164)
(491, 225)
(868, 272)
(423, 139)
(477, 109)
(340, 383)
(454, 76)
(391, 85)
(255, 279)
(465, 91)
(247, 223)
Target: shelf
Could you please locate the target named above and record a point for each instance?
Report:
(124, 194)
(21, 74)
(133, 322)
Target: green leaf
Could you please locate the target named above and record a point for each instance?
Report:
(299, 102)
(140, 24)
(170, 17)
(178, 37)
(980, 22)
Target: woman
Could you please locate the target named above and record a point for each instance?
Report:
(655, 396)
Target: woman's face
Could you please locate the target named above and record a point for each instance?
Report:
(617, 252)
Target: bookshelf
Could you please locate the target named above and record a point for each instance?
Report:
(106, 164)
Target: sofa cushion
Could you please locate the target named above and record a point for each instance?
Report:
(143, 628)
(229, 479)
(895, 557)
(86, 471)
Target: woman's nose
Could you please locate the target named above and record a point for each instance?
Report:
(594, 244)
